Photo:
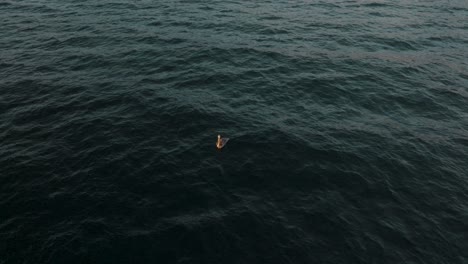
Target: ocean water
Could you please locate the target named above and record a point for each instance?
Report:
(348, 127)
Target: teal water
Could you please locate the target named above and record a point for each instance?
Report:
(348, 127)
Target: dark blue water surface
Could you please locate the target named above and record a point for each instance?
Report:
(348, 123)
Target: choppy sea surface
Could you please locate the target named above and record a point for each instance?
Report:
(348, 123)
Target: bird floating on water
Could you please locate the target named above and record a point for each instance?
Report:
(221, 142)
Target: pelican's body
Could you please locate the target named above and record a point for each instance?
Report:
(221, 142)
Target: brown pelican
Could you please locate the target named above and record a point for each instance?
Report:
(221, 142)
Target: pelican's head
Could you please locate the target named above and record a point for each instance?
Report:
(219, 136)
